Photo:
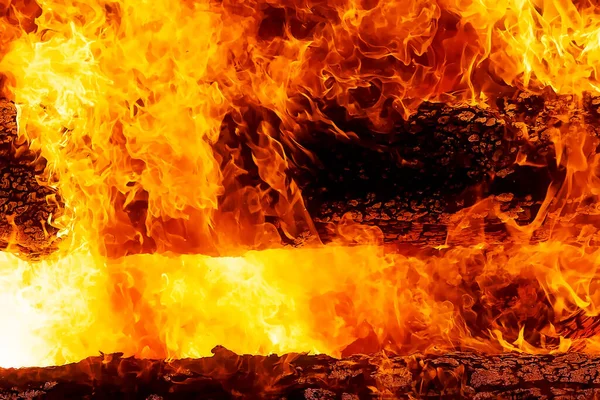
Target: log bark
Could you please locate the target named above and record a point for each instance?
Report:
(301, 376)
(418, 182)
(26, 203)
(415, 183)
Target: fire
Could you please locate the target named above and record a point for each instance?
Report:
(165, 306)
(166, 252)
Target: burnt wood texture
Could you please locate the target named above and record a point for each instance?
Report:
(26, 203)
(420, 178)
(415, 183)
(226, 375)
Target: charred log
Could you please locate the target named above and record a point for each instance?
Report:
(26, 204)
(301, 376)
(415, 183)
(418, 182)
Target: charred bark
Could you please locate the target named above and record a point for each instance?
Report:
(419, 181)
(301, 376)
(26, 204)
(415, 183)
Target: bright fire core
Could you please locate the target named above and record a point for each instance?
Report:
(125, 99)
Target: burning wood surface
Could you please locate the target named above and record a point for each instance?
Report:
(300, 376)
(249, 174)
(27, 205)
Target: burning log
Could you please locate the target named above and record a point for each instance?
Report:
(302, 376)
(419, 182)
(26, 204)
(415, 184)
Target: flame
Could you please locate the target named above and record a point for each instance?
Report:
(172, 307)
(167, 251)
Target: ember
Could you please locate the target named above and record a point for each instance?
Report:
(337, 177)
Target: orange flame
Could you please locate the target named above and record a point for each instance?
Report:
(127, 101)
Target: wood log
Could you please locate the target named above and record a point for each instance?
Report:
(301, 376)
(417, 182)
(26, 203)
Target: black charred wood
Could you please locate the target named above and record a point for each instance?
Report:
(418, 181)
(26, 203)
(413, 183)
(226, 375)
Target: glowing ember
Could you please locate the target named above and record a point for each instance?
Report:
(126, 99)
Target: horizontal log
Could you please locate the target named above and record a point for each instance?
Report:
(415, 183)
(418, 182)
(301, 376)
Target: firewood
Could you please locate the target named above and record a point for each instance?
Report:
(418, 182)
(26, 203)
(302, 376)
(415, 183)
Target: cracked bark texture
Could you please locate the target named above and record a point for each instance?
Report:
(26, 204)
(416, 184)
(419, 182)
(299, 376)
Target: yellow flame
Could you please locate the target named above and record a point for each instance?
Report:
(279, 300)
